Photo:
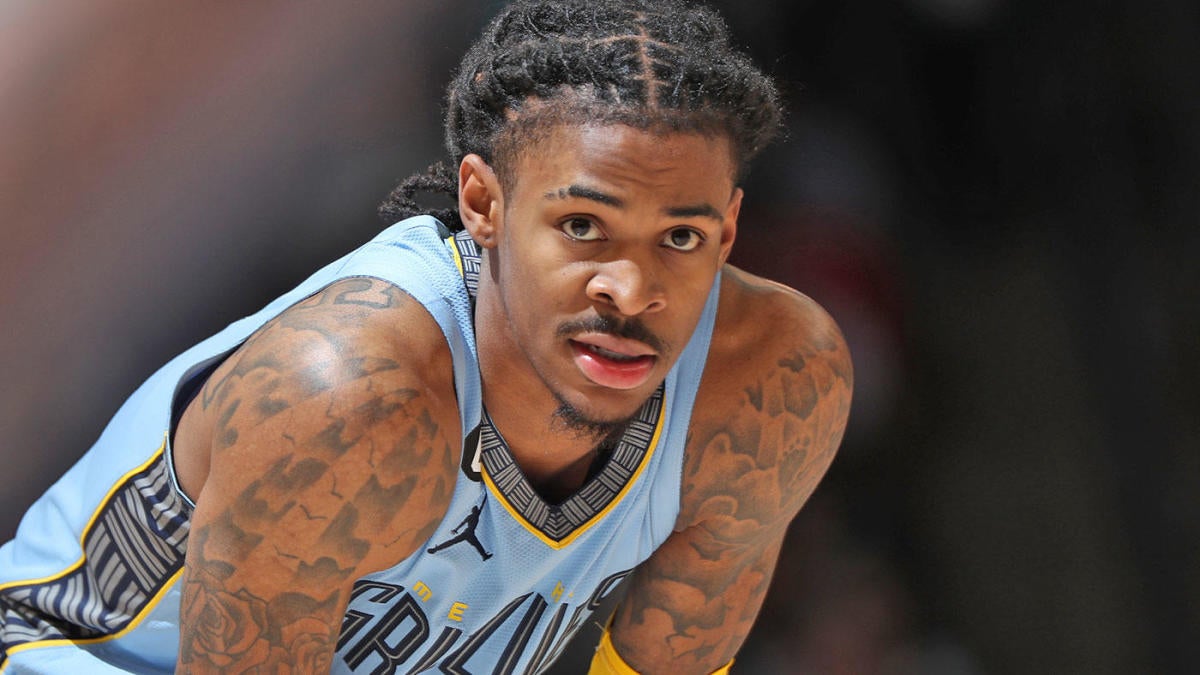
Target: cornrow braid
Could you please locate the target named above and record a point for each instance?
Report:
(657, 65)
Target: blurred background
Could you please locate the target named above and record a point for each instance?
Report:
(997, 199)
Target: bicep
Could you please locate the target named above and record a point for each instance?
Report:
(325, 465)
(278, 540)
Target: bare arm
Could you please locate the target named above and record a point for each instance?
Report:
(330, 457)
(762, 439)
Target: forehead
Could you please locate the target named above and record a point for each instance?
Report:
(621, 156)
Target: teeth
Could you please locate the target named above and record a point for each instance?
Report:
(614, 356)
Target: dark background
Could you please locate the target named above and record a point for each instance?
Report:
(997, 199)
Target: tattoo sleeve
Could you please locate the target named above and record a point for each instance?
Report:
(690, 607)
(326, 462)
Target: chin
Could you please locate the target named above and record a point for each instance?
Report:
(591, 422)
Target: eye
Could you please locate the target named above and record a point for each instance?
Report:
(683, 239)
(581, 229)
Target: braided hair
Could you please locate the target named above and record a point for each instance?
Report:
(657, 65)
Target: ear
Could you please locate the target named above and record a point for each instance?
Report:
(729, 227)
(480, 202)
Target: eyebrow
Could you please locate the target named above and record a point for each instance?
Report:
(697, 211)
(583, 192)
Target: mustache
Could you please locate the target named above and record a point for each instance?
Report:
(631, 329)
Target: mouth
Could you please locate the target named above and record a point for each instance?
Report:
(613, 362)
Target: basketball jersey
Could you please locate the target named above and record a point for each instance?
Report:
(90, 582)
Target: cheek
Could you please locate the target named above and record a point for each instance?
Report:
(546, 282)
(532, 295)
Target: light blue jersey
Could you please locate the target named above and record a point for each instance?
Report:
(90, 583)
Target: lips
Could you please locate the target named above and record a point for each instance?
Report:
(613, 362)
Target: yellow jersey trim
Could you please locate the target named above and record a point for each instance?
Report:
(450, 243)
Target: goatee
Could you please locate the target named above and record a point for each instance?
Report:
(568, 417)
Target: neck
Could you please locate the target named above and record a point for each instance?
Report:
(553, 454)
(546, 449)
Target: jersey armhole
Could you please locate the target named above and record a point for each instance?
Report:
(185, 392)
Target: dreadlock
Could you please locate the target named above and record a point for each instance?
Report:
(657, 65)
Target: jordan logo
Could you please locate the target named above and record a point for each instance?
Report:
(467, 526)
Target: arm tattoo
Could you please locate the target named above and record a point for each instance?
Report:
(317, 450)
(747, 474)
(238, 632)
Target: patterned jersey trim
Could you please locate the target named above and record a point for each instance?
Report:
(557, 525)
(133, 548)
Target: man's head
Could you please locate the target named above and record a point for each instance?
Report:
(598, 261)
(598, 145)
(656, 65)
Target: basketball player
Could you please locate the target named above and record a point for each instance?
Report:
(444, 450)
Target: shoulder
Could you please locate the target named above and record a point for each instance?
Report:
(351, 333)
(772, 405)
(763, 325)
(331, 379)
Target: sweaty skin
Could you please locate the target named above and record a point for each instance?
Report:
(326, 447)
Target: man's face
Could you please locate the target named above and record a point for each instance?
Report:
(609, 243)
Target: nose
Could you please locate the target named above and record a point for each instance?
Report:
(628, 287)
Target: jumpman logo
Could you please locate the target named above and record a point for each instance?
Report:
(468, 535)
